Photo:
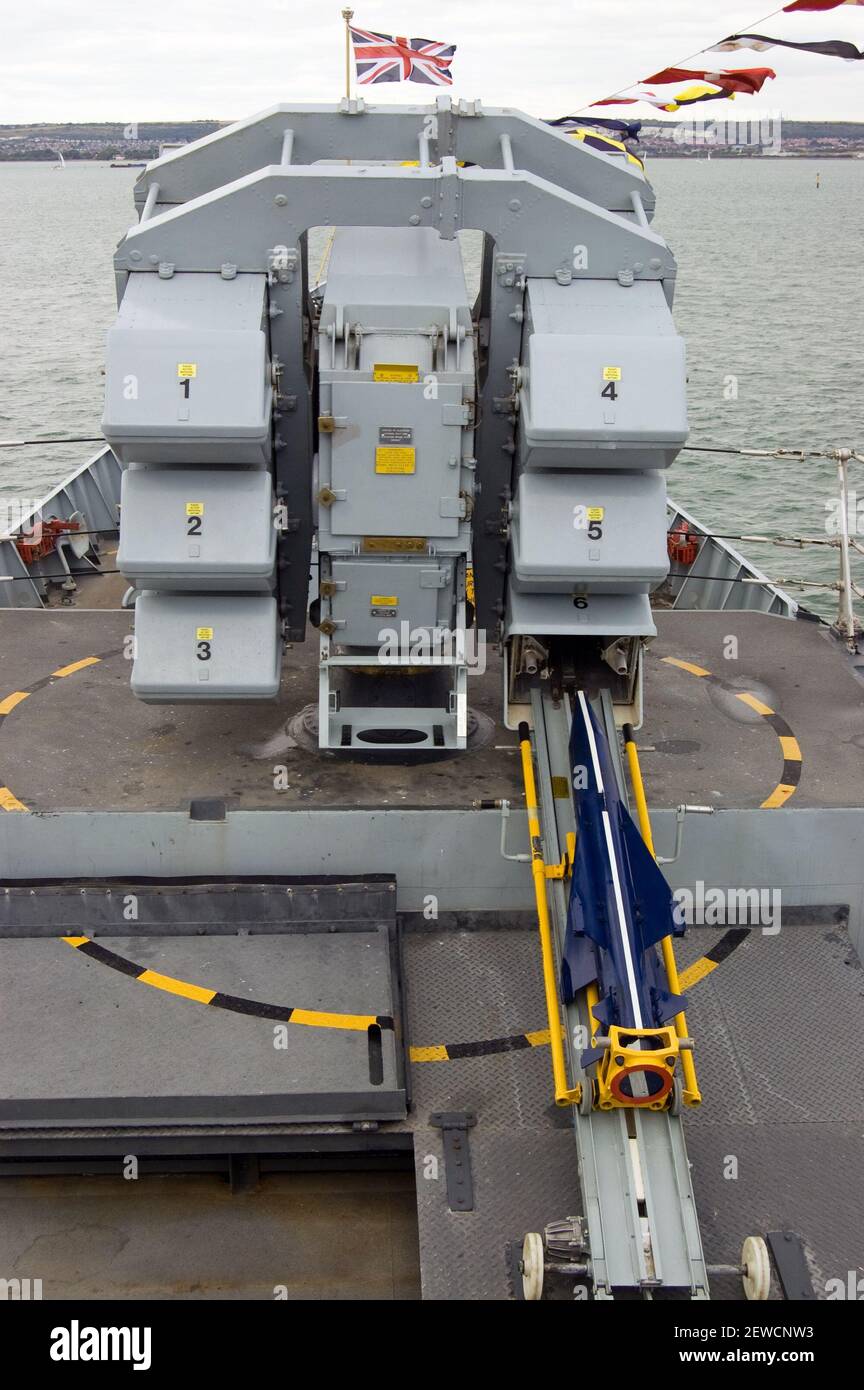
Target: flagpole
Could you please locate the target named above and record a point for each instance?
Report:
(348, 15)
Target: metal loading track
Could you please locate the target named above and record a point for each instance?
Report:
(640, 1210)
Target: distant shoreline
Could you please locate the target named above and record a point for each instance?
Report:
(107, 141)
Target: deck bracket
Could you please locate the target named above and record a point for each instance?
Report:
(454, 1126)
(790, 1261)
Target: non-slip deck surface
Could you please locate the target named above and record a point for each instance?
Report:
(777, 1145)
(82, 741)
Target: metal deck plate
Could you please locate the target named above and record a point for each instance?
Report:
(92, 1040)
(468, 987)
(778, 1142)
(788, 1116)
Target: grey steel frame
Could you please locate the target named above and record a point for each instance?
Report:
(543, 202)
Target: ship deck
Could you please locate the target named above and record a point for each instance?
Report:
(777, 1144)
(784, 712)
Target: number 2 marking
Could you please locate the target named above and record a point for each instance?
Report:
(193, 526)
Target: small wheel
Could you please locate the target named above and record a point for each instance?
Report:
(677, 1098)
(533, 1257)
(757, 1269)
(586, 1100)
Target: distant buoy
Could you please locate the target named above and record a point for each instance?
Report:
(818, 176)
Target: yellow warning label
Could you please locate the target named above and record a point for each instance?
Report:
(611, 373)
(395, 371)
(384, 601)
(186, 369)
(469, 583)
(413, 545)
(203, 634)
(595, 513)
(394, 459)
(194, 508)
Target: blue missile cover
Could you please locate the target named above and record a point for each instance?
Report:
(620, 904)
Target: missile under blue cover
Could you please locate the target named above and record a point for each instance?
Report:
(620, 904)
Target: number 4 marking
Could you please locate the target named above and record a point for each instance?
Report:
(610, 391)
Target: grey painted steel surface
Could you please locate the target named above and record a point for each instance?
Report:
(92, 491)
(187, 375)
(551, 552)
(395, 483)
(227, 541)
(604, 380)
(206, 646)
(359, 132)
(163, 1058)
(812, 856)
(720, 577)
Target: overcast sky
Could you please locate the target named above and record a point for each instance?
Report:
(64, 60)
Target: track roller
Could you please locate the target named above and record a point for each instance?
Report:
(531, 1267)
(755, 1269)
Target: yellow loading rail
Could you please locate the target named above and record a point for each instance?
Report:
(691, 1093)
(565, 1094)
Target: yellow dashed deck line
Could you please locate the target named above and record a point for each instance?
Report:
(696, 972)
(76, 666)
(7, 705)
(747, 699)
(172, 986)
(791, 748)
(10, 802)
(686, 666)
(356, 1023)
(780, 794)
(8, 799)
(428, 1054)
(168, 984)
(789, 745)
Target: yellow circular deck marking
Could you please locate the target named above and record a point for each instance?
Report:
(789, 745)
(359, 1023)
(685, 666)
(746, 698)
(77, 666)
(172, 986)
(8, 800)
(7, 705)
(280, 1013)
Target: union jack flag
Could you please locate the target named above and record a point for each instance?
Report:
(383, 58)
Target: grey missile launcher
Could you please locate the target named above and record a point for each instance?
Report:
(395, 489)
(188, 410)
(416, 444)
(601, 411)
